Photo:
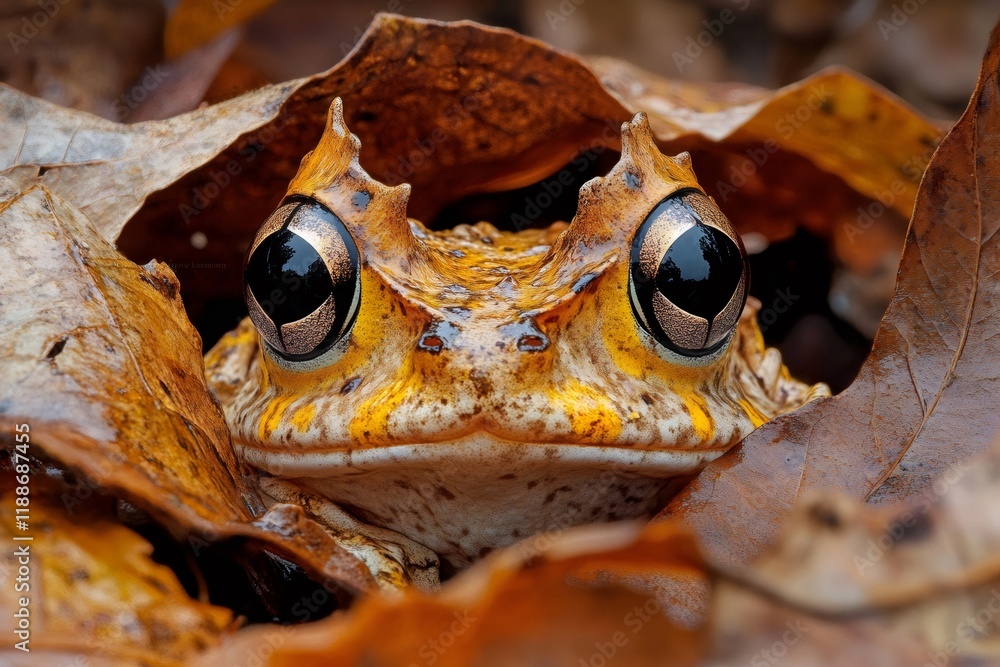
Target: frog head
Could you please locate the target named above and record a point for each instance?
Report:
(469, 387)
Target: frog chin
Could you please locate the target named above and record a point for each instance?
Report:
(463, 498)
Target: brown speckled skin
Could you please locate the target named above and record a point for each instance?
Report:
(495, 384)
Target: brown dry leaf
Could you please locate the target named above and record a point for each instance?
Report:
(755, 630)
(194, 23)
(455, 109)
(102, 363)
(847, 584)
(458, 109)
(107, 169)
(525, 605)
(96, 597)
(923, 575)
(774, 160)
(810, 118)
(916, 409)
(461, 109)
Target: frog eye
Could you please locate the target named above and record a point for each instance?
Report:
(688, 275)
(301, 280)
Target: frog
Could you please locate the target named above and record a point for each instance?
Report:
(431, 396)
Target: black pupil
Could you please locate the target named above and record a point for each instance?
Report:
(701, 271)
(288, 277)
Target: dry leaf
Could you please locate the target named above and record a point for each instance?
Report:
(182, 83)
(921, 576)
(95, 595)
(194, 23)
(102, 364)
(107, 169)
(846, 584)
(105, 367)
(770, 157)
(916, 409)
(50, 52)
(525, 605)
(460, 109)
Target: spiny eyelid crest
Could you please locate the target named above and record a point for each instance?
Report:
(612, 207)
(639, 150)
(373, 212)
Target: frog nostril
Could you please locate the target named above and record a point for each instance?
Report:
(532, 343)
(527, 334)
(431, 343)
(439, 335)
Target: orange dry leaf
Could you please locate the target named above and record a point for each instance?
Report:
(526, 605)
(845, 585)
(774, 160)
(102, 362)
(93, 593)
(194, 23)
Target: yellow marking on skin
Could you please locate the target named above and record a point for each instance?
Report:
(370, 339)
(371, 420)
(373, 327)
(756, 416)
(589, 411)
(701, 421)
(273, 415)
(303, 418)
(620, 334)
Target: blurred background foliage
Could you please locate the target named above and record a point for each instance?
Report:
(926, 51)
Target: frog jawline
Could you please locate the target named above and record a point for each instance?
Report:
(464, 498)
(479, 448)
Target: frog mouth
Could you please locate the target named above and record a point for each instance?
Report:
(463, 498)
(479, 449)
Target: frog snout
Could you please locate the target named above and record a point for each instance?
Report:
(522, 335)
